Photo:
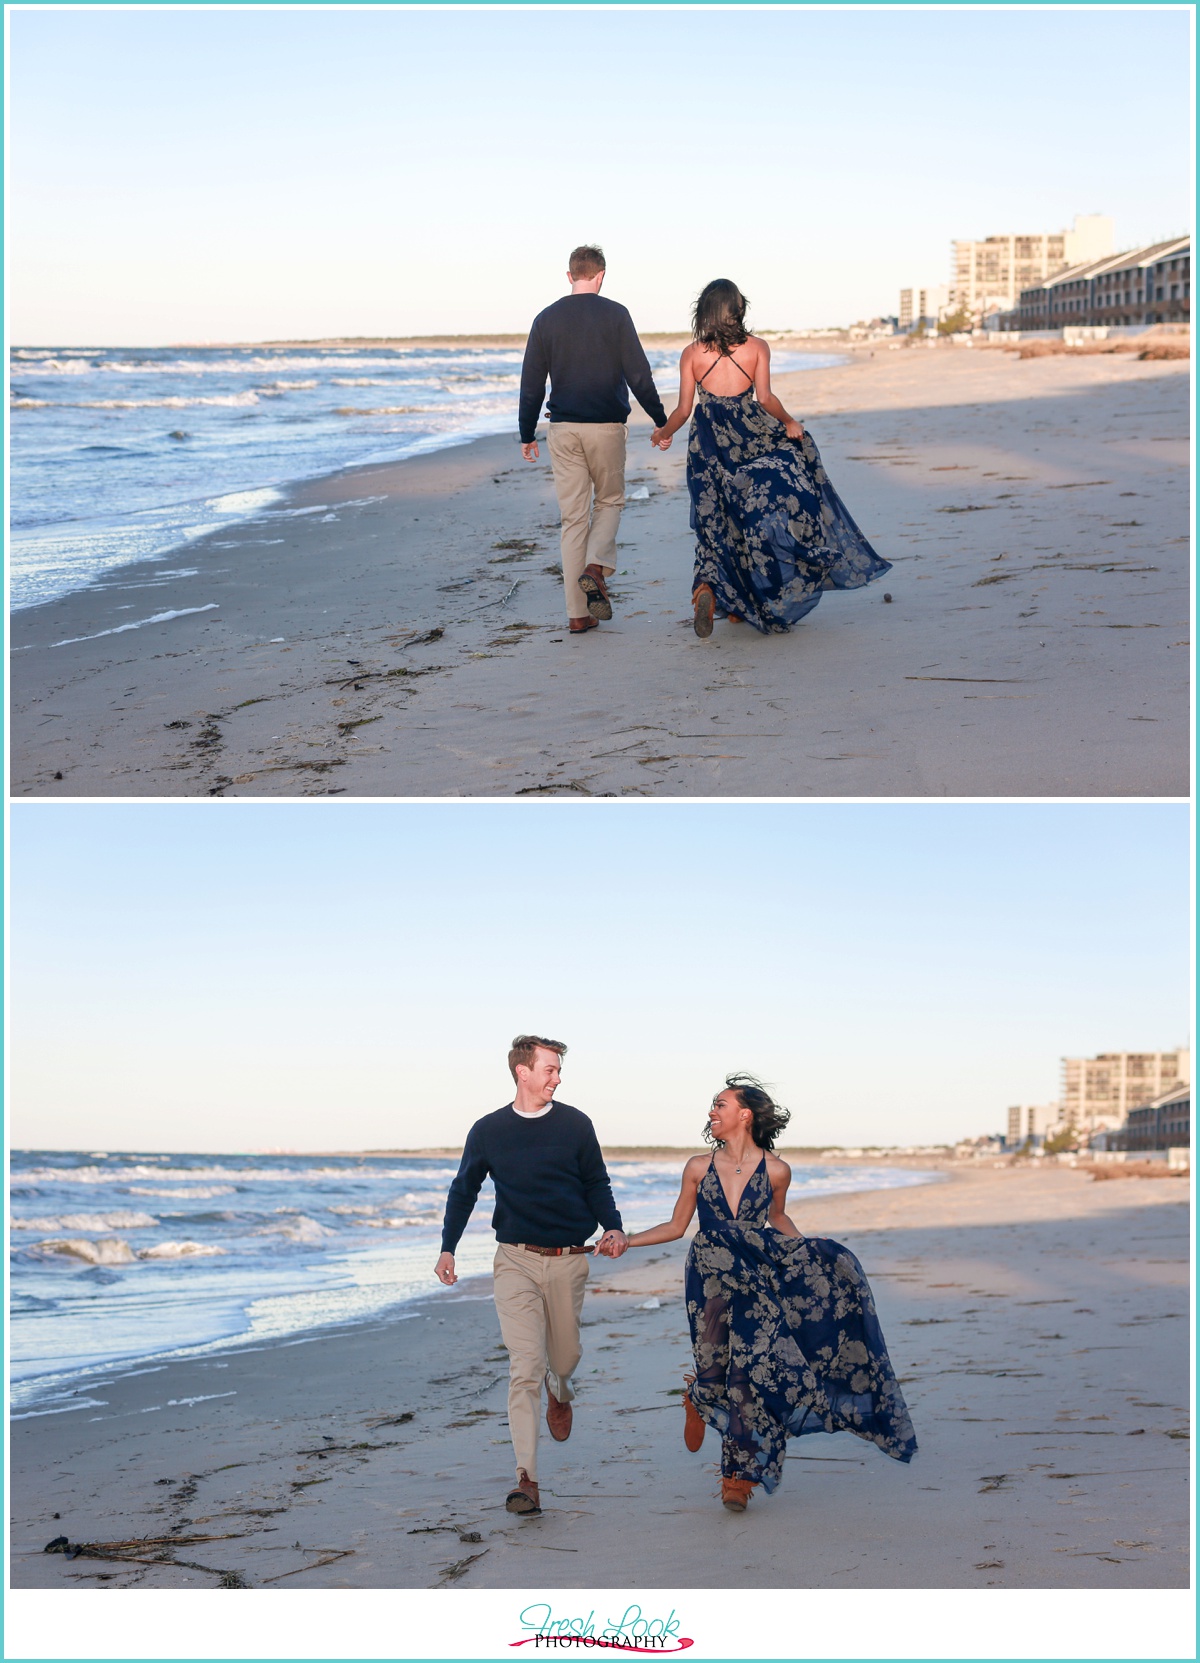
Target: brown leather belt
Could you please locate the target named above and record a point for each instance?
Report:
(551, 1252)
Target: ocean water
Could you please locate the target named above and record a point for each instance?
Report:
(121, 1259)
(120, 454)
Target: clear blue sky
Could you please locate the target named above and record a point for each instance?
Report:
(239, 174)
(232, 976)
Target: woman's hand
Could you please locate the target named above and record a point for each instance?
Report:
(662, 436)
(793, 429)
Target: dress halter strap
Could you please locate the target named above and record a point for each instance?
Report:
(732, 360)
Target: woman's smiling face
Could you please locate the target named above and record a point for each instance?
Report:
(727, 1116)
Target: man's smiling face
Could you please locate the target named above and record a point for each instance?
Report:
(544, 1074)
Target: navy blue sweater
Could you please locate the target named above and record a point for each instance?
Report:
(589, 348)
(551, 1184)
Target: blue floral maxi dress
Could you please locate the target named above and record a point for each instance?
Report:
(785, 1337)
(771, 531)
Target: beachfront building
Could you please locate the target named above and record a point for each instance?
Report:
(1030, 1122)
(1098, 1093)
(877, 329)
(1165, 1123)
(990, 273)
(978, 1149)
(922, 308)
(1139, 288)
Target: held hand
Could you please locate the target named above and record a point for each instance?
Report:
(661, 438)
(444, 1270)
(793, 429)
(530, 451)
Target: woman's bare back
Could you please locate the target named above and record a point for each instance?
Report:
(727, 375)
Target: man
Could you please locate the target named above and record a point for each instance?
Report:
(590, 350)
(551, 1189)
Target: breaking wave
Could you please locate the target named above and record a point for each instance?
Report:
(296, 1229)
(379, 410)
(233, 1174)
(109, 1250)
(204, 1193)
(88, 1221)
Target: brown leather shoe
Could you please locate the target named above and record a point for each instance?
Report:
(524, 1496)
(736, 1492)
(558, 1417)
(594, 587)
(577, 626)
(703, 607)
(693, 1426)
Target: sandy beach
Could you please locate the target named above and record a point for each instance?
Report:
(393, 630)
(1030, 1314)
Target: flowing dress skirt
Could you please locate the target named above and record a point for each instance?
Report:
(771, 531)
(785, 1338)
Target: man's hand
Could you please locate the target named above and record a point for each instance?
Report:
(444, 1270)
(530, 451)
(661, 438)
(612, 1244)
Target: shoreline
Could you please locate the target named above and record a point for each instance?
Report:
(41, 1391)
(613, 1152)
(496, 338)
(430, 584)
(377, 1451)
(283, 490)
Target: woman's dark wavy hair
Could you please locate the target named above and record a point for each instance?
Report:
(769, 1117)
(719, 315)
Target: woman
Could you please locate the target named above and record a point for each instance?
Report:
(784, 1330)
(771, 531)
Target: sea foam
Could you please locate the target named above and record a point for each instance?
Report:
(205, 1192)
(109, 1250)
(88, 1221)
(120, 629)
(296, 1229)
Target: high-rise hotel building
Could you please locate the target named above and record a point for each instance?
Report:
(990, 274)
(1098, 1092)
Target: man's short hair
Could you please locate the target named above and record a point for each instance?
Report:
(525, 1045)
(586, 261)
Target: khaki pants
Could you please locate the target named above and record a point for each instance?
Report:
(538, 1301)
(588, 459)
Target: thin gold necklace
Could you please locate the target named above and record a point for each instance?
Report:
(737, 1169)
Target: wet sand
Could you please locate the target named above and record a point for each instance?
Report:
(393, 630)
(1038, 1323)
